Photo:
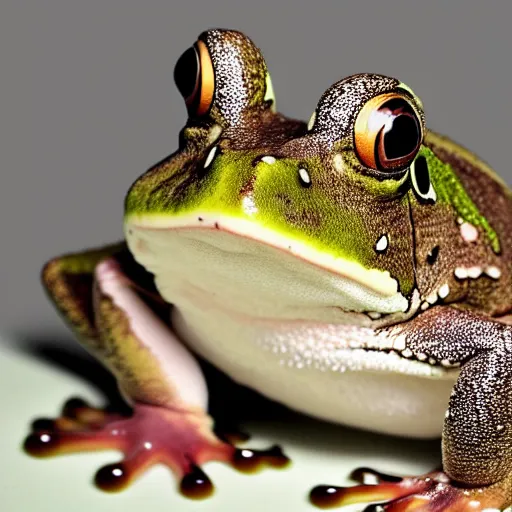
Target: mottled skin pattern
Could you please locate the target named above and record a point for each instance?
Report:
(479, 410)
(69, 281)
(492, 198)
(440, 226)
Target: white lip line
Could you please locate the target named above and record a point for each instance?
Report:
(216, 226)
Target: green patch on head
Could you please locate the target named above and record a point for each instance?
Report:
(449, 190)
(306, 213)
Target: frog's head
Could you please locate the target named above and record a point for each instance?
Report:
(310, 215)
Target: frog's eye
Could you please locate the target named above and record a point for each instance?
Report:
(195, 79)
(387, 132)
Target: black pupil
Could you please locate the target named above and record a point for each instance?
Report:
(404, 135)
(186, 72)
(402, 139)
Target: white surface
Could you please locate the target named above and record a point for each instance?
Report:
(321, 453)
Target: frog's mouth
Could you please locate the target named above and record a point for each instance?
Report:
(256, 269)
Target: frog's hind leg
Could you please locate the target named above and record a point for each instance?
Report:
(161, 380)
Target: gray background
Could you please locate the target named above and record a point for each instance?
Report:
(88, 101)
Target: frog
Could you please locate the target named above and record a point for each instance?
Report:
(356, 268)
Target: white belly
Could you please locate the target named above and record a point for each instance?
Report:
(300, 366)
(237, 303)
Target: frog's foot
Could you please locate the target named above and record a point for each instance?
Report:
(181, 440)
(433, 492)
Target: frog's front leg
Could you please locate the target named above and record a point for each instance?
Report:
(477, 434)
(111, 303)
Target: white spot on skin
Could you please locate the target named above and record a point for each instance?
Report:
(431, 360)
(424, 306)
(374, 315)
(311, 122)
(382, 244)
(461, 273)
(248, 205)
(399, 344)
(269, 160)
(214, 133)
(493, 272)
(432, 298)
(468, 232)
(447, 414)
(407, 353)
(210, 157)
(304, 176)
(446, 363)
(500, 427)
(421, 356)
(338, 162)
(474, 272)
(444, 291)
